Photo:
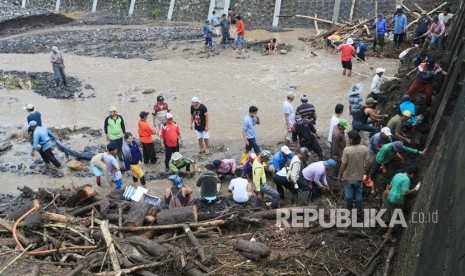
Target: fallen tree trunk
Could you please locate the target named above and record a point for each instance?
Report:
(137, 214)
(111, 247)
(177, 215)
(103, 206)
(195, 242)
(81, 196)
(252, 247)
(170, 226)
(50, 193)
(149, 246)
(58, 217)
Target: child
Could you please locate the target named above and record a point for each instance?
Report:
(113, 170)
(271, 46)
(133, 159)
(207, 33)
(98, 167)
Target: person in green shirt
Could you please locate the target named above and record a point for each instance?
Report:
(114, 129)
(387, 153)
(177, 162)
(259, 181)
(394, 199)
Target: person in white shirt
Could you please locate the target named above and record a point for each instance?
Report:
(240, 188)
(445, 16)
(338, 110)
(376, 83)
(289, 117)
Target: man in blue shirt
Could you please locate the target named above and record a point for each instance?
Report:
(279, 159)
(400, 26)
(361, 49)
(249, 132)
(207, 34)
(33, 116)
(43, 143)
(380, 29)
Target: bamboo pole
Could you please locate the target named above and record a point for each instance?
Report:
(319, 20)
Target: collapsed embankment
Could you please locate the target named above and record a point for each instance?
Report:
(438, 248)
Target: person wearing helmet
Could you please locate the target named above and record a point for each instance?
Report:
(424, 79)
(347, 53)
(395, 125)
(387, 153)
(400, 26)
(314, 178)
(259, 180)
(177, 195)
(436, 32)
(160, 109)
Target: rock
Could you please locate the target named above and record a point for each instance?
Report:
(5, 145)
(148, 91)
(75, 165)
(283, 52)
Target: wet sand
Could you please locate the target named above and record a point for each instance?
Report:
(227, 84)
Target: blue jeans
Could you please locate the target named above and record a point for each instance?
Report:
(252, 145)
(436, 39)
(364, 127)
(353, 190)
(267, 190)
(239, 41)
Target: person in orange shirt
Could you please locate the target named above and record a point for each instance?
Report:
(240, 32)
(170, 138)
(347, 53)
(145, 137)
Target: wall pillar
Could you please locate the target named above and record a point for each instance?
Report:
(57, 6)
(23, 4)
(337, 6)
(277, 11)
(170, 10)
(227, 3)
(211, 8)
(131, 7)
(94, 6)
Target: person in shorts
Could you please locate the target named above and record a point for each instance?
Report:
(98, 167)
(347, 53)
(199, 122)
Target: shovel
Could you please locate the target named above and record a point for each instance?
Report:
(364, 62)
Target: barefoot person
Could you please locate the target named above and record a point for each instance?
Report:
(58, 66)
(347, 53)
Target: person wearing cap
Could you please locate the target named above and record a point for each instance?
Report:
(314, 176)
(177, 195)
(209, 185)
(360, 118)
(199, 122)
(133, 159)
(338, 110)
(355, 164)
(207, 34)
(113, 169)
(32, 116)
(42, 141)
(347, 53)
(379, 31)
(355, 98)
(445, 16)
(422, 27)
(376, 82)
(249, 133)
(160, 109)
(400, 26)
(241, 188)
(280, 159)
(408, 105)
(424, 79)
(421, 58)
(98, 167)
(145, 138)
(170, 138)
(58, 66)
(339, 142)
(225, 36)
(395, 125)
(114, 129)
(259, 181)
(289, 117)
(178, 162)
(225, 167)
(387, 153)
(306, 109)
(294, 172)
(436, 33)
(378, 141)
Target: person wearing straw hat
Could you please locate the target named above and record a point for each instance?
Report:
(178, 162)
(347, 53)
(56, 58)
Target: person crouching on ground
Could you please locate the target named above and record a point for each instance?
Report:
(259, 180)
(178, 162)
(178, 195)
(315, 178)
(133, 158)
(98, 167)
(209, 186)
(272, 46)
(225, 167)
(114, 173)
(240, 188)
(42, 141)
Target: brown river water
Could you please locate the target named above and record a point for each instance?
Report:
(226, 84)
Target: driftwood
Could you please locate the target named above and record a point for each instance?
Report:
(195, 242)
(83, 195)
(111, 247)
(58, 217)
(129, 271)
(354, 234)
(137, 214)
(149, 246)
(102, 204)
(177, 215)
(252, 247)
(376, 253)
(351, 14)
(387, 266)
(371, 268)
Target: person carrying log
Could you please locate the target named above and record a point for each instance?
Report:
(178, 195)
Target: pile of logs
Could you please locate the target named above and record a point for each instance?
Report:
(108, 235)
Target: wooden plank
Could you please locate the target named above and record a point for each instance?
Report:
(319, 20)
(315, 22)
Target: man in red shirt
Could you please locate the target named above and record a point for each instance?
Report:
(240, 32)
(145, 137)
(347, 52)
(170, 138)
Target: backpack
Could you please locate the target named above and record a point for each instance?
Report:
(174, 200)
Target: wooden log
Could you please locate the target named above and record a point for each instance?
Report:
(376, 253)
(83, 195)
(271, 214)
(103, 206)
(58, 217)
(170, 226)
(192, 271)
(195, 242)
(149, 246)
(390, 255)
(320, 20)
(129, 271)
(28, 191)
(9, 226)
(111, 247)
(49, 193)
(406, 8)
(8, 242)
(315, 22)
(418, 7)
(137, 214)
(177, 215)
(17, 212)
(367, 29)
(252, 247)
(371, 268)
(35, 270)
(436, 9)
(354, 234)
(351, 14)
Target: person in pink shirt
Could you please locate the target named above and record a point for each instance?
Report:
(347, 53)
(225, 167)
(314, 177)
(436, 32)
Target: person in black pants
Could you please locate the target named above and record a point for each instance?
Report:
(281, 181)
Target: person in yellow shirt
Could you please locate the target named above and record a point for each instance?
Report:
(259, 181)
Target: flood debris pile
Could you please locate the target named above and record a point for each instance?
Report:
(43, 83)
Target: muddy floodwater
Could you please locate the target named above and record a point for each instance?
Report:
(226, 83)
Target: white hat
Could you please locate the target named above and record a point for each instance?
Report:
(176, 156)
(29, 106)
(169, 116)
(195, 100)
(55, 49)
(285, 150)
(350, 41)
(32, 123)
(398, 7)
(380, 70)
(112, 109)
(386, 131)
